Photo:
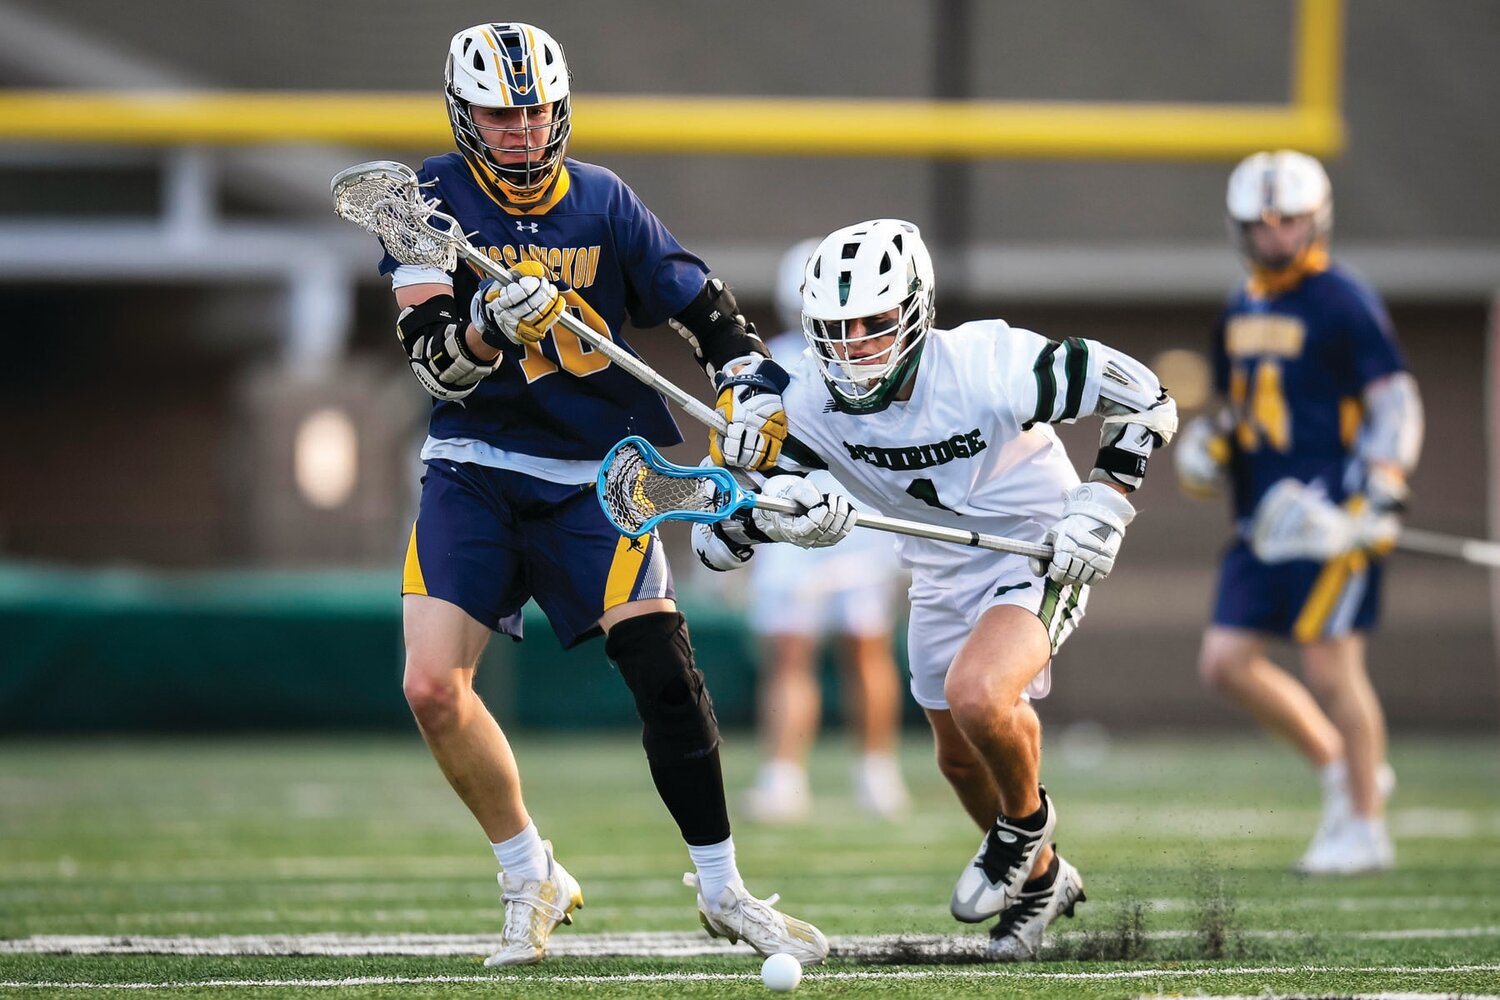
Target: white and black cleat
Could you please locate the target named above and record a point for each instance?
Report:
(1018, 935)
(994, 877)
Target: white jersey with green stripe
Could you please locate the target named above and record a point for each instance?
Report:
(971, 448)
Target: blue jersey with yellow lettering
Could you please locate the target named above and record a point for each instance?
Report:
(1293, 366)
(613, 259)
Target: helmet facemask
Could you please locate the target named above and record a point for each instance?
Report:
(876, 271)
(867, 381)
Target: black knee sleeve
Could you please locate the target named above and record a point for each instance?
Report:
(655, 656)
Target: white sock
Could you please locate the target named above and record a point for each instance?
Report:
(523, 855)
(1334, 774)
(716, 869)
(880, 766)
(783, 777)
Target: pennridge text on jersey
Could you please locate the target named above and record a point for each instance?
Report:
(576, 267)
(919, 456)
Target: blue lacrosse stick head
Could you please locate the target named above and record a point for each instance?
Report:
(638, 489)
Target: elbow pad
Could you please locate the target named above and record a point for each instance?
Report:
(432, 334)
(712, 324)
(1139, 417)
(1394, 422)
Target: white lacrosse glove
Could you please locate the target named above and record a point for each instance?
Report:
(1295, 520)
(750, 391)
(433, 338)
(827, 518)
(1087, 538)
(1200, 456)
(717, 550)
(523, 311)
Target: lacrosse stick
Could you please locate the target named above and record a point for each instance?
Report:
(384, 197)
(1471, 550)
(639, 489)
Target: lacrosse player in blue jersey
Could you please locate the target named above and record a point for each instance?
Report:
(522, 414)
(1320, 427)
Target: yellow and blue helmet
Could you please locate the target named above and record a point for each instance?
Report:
(509, 65)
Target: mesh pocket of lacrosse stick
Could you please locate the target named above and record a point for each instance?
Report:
(385, 198)
(639, 489)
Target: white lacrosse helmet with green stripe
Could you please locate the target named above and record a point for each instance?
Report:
(860, 271)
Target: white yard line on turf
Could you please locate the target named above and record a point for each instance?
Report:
(641, 945)
(678, 977)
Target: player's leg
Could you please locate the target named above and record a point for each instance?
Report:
(861, 612)
(960, 764)
(872, 704)
(443, 644)
(462, 579)
(1356, 787)
(1017, 871)
(1335, 668)
(648, 641)
(589, 578)
(787, 614)
(789, 704)
(1007, 650)
(1232, 661)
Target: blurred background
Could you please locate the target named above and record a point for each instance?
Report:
(210, 435)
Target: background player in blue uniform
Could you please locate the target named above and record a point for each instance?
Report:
(523, 413)
(1316, 391)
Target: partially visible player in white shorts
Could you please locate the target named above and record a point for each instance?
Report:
(798, 598)
(943, 616)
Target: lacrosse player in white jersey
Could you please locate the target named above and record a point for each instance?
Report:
(797, 597)
(951, 427)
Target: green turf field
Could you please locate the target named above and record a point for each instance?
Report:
(291, 864)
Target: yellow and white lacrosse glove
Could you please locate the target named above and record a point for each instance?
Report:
(750, 391)
(523, 311)
(1200, 456)
(1086, 539)
(826, 518)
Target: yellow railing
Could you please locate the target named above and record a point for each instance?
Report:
(1310, 121)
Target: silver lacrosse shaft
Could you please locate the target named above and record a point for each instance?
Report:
(917, 529)
(1432, 543)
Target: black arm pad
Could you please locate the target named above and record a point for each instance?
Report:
(713, 325)
(431, 316)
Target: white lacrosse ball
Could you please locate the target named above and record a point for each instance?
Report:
(781, 973)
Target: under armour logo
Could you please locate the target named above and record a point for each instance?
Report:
(526, 227)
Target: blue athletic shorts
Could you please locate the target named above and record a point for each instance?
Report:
(1302, 600)
(487, 539)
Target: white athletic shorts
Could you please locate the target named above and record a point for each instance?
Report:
(946, 605)
(849, 588)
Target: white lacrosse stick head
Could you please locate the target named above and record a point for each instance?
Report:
(385, 198)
